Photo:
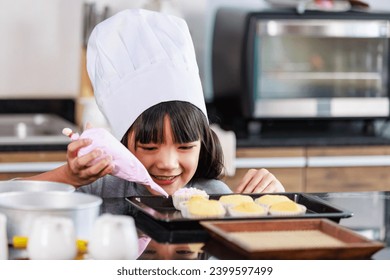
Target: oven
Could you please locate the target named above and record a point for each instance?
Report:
(278, 65)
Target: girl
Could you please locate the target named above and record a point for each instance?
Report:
(143, 69)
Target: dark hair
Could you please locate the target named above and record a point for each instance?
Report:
(188, 124)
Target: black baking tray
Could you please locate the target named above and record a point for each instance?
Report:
(158, 218)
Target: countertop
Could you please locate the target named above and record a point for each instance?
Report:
(311, 141)
(314, 133)
(63, 109)
(371, 218)
(33, 148)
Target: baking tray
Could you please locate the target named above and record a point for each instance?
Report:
(286, 239)
(157, 217)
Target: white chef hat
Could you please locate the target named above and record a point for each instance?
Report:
(137, 59)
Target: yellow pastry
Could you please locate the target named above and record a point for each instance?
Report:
(287, 208)
(247, 209)
(185, 194)
(203, 208)
(193, 198)
(234, 199)
(270, 199)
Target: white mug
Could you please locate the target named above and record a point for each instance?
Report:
(114, 237)
(3, 238)
(52, 238)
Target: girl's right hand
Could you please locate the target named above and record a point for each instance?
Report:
(258, 181)
(86, 169)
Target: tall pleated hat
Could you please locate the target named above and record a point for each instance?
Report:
(137, 59)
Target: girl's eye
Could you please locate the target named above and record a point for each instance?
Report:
(150, 252)
(148, 148)
(189, 147)
(184, 252)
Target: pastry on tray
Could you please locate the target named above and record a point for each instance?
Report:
(269, 199)
(234, 199)
(193, 198)
(247, 209)
(185, 194)
(287, 208)
(202, 208)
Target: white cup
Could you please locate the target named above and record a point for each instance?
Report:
(52, 238)
(114, 237)
(3, 238)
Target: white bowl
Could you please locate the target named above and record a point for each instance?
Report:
(33, 186)
(22, 208)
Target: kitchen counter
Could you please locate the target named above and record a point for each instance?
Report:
(309, 133)
(33, 148)
(33, 132)
(35, 124)
(311, 141)
(371, 218)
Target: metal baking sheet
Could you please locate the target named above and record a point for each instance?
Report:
(157, 217)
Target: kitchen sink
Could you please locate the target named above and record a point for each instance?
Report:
(31, 129)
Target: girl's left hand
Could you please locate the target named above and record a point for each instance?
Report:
(258, 181)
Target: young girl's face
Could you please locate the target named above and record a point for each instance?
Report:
(171, 165)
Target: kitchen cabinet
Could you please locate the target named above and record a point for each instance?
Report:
(319, 169)
(22, 164)
(287, 164)
(360, 168)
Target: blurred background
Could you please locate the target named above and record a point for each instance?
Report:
(42, 40)
(42, 74)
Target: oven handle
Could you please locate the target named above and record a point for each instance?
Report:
(325, 28)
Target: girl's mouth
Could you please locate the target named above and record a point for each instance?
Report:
(164, 180)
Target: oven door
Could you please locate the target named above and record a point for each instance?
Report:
(320, 68)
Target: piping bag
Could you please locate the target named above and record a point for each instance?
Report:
(126, 165)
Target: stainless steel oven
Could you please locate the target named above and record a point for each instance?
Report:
(316, 65)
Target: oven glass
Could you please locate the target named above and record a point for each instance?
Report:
(313, 68)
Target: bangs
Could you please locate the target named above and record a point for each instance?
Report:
(187, 122)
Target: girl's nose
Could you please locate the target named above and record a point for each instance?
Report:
(167, 159)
